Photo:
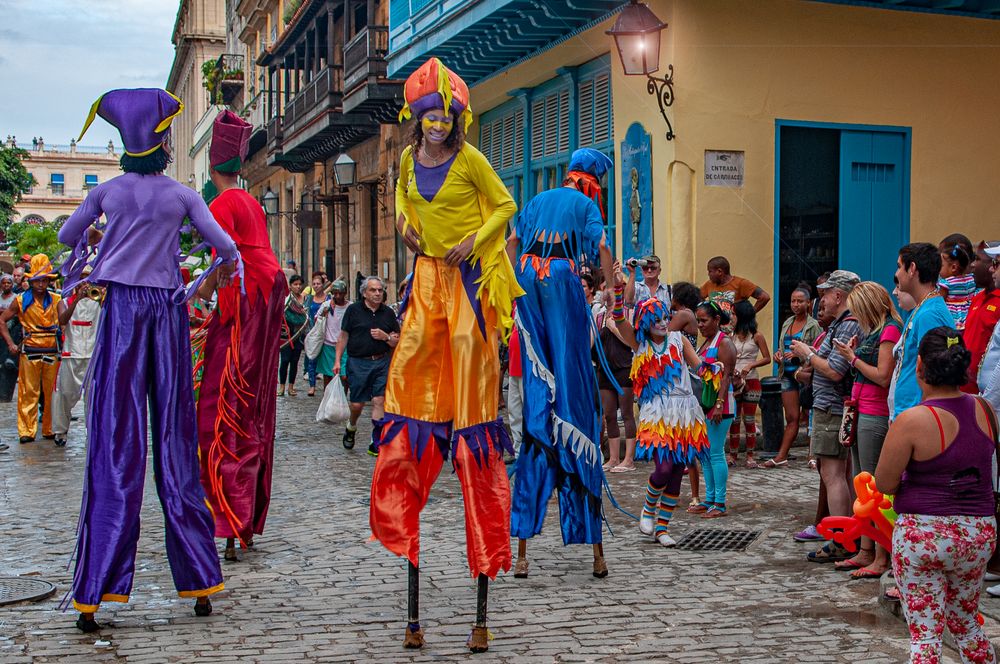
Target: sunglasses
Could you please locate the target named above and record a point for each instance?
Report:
(649, 268)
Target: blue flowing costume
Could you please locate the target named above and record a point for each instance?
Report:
(562, 408)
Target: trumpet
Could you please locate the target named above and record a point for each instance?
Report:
(95, 293)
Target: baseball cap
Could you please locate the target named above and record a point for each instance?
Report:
(992, 248)
(845, 280)
(652, 258)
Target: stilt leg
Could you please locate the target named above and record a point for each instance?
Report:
(600, 567)
(479, 639)
(414, 637)
(521, 566)
(231, 549)
(86, 623)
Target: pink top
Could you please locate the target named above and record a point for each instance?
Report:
(873, 399)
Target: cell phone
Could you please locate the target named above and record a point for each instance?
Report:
(838, 342)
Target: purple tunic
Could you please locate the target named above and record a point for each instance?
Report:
(142, 239)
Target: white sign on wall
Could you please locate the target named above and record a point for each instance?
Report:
(723, 168)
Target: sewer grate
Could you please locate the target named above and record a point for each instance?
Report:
(718, 540)
(15, 589)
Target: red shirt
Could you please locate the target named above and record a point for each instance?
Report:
(514, 355)
(242, 217)
(984, 312)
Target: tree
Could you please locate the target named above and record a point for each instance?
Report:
(14, 181)
(40, 239)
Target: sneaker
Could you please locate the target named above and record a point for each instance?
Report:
(809, 534)
(665, 539)
(993, 591)
(991, 576)
(4, 447)
(372, 450)
(60, 441)
(349, 438)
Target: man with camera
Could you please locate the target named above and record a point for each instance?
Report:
(650, 285)
(78, 317)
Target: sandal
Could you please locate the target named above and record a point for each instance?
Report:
(813, 465)
(291, 391)
(752, 463)
(866, 573)
(830, 553)
(771, 464)
(622, 468)
(699, 508)
(730, 460)
(714, 512)
(892, 595)
(608, 466)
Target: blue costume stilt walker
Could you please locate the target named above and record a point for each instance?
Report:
(562, 408)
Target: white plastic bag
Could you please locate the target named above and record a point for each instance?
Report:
(315, 337)
(333, 409)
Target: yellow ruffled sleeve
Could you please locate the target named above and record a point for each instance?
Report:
(403, 204)
(497, 208)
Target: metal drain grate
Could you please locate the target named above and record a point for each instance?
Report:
(718, 540)
(19, 589)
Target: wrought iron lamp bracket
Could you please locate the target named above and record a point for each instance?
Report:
(663, 88)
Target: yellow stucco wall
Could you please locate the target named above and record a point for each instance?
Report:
(740, 65)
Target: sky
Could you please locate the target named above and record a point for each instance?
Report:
(58, 56)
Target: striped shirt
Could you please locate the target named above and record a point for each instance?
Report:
(959, 297)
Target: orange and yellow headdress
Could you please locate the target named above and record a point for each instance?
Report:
(435, 86)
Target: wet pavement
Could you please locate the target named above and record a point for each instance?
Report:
(316, 590)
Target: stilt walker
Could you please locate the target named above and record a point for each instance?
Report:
(443, 385)
(236, 402)
(671, 429)
(562, 408)
(142, 356)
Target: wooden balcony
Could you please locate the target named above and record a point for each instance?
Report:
(274, 140)
(315, 127)
(366, 87)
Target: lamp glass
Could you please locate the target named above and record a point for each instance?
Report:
(344, 170)
(637, 38)
(270, 200)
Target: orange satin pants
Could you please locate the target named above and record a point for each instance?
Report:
(442, 395)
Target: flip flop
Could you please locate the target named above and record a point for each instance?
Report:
(892, 595)
(771, 464)
(829, 554)
(849, 564)
(865, 573)
(623, 469)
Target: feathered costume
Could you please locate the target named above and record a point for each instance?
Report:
(142, 355)
(236, 401)
(671, 428)
(562, 408)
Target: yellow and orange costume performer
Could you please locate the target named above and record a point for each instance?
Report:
(38, 311)
(443, 383)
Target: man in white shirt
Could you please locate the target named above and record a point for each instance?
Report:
(649, 286)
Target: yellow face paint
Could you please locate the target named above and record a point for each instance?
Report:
(438, 120)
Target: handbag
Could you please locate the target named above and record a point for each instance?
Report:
(849, 424)
(314, 340)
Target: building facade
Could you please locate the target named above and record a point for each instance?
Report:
(64, 174)
(199, 36)
(315, 87)
(804, 135)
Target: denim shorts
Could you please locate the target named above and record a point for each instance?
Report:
(366, 378)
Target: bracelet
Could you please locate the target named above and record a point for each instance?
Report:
(618, 311)
(854, 361)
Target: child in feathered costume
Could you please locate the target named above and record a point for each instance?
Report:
(671, 427)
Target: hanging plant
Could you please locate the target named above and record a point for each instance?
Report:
(290, 9)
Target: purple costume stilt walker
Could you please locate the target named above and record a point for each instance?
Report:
(141, 364)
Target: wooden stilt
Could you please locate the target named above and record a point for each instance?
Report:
(414, 637)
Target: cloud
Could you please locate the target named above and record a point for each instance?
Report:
(66, 57)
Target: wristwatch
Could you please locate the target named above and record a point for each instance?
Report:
(809, 358)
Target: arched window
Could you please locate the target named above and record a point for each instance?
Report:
(34, 219)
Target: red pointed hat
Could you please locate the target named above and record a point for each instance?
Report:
(435, 86)
(230, 142)
(141, 116)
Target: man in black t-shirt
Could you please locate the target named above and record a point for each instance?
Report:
(368, 333)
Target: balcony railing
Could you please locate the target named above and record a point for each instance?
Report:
(364, 56)
(321, 94)
(226, 78)
(274, 135)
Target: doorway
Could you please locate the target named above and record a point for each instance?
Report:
(842, 194)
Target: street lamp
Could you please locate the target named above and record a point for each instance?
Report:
(270, 202)
(637, 37)
(345, 170)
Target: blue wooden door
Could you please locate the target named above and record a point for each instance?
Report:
(874, 202)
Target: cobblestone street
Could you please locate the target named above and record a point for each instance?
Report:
(316, 590)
